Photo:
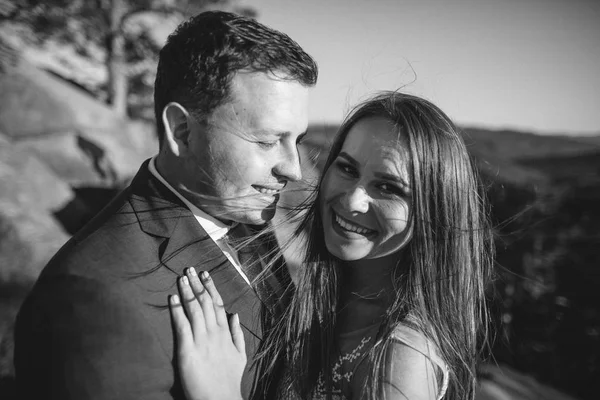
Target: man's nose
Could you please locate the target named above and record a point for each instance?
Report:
(357, 200)
(289, 166)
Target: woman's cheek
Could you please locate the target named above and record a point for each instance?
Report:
(395, 217)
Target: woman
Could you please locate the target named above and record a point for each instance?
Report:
(393, 305)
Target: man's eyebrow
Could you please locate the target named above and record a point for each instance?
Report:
(281, 134)
(273, 132)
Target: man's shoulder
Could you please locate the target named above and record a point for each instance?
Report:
(104, 227)
(112, 241)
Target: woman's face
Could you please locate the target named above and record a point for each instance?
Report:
(365, 194)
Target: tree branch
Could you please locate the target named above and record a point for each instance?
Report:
(8, 11)
(140, 10)
(101, 6)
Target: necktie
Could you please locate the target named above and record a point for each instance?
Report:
(244, 249)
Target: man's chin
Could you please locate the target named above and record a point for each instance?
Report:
(266, 213)
(257, 217)
(263, 217)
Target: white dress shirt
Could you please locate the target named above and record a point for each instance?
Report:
(213, 227)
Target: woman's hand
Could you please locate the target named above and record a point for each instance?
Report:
(211, 354)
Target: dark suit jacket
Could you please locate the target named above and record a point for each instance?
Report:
(96, 324)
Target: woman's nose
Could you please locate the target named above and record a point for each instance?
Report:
(357, 200)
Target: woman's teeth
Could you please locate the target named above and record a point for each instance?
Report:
(350, 227)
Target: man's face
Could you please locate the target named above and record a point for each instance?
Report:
(246, 153)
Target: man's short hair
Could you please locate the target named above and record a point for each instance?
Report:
(199, 60)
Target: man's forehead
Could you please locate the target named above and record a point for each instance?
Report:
(261, 104)
(246, 82)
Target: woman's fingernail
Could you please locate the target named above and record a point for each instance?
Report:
(205, 275)
(184, 280)
(175, 299)
(192, 271)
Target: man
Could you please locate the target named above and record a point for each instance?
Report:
(231, 105)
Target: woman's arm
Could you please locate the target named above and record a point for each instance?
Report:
(211, 354)
(409, 374)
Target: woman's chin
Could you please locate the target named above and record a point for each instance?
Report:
(344, 253)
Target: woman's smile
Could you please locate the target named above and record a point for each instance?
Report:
(350, 229)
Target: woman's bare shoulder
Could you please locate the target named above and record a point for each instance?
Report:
(415, 369)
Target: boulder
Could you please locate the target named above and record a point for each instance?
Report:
(28, 239)
(28, 183)
(120, 150)
(29, 234)
(35, 102)
(63, 155)
(81, 139)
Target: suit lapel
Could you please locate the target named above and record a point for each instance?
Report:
(190, 246)
(186, 244)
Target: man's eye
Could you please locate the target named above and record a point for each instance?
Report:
(267, 145)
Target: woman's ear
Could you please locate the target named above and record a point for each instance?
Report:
(177, 132)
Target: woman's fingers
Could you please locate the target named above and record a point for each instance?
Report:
(204, 298)
(183, 329)
(217, 301)
(237, 335)
(191, 306)
(210, 357)
(204, 307)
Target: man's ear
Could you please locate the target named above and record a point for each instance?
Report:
(175, 119)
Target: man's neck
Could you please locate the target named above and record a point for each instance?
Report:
(166, 173)
(163, 169)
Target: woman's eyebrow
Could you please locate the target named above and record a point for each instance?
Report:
(348, 158)
(392, 178)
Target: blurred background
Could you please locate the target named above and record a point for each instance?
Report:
(520, 78)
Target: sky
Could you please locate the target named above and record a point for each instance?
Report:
(530, 65)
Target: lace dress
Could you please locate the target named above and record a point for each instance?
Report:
(349, 373)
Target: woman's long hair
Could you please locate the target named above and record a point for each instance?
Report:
(440, 286)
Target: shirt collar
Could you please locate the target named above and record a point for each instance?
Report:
(216, 229)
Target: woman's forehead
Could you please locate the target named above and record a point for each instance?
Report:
(375, 135)
(375, 143)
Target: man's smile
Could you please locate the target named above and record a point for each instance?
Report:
(267, 190)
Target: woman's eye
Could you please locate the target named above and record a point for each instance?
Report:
(300, 140)
(392, 189)
(346, 168)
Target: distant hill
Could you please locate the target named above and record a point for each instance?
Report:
(514, 144)
(504, 153)
(593, 140)
(582, 169)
